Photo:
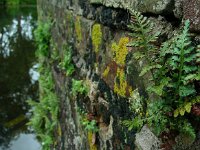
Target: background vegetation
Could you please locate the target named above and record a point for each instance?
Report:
(18, 2)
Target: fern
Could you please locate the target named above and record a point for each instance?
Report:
(45, 112)
(44, 118)
(186, 129)
(173, 70)
(66, 64)
(42, 38)
(180, 62)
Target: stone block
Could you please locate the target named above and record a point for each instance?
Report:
(146, 140)
(191, 11)
(144, 6)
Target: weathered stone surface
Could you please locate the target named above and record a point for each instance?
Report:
(144, 6)
(146, 140)
(97, 32)
(178, 10)
(191, 11)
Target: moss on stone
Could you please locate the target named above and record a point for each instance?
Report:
(120, 51)
(96, 36)
(90, 140)
(121, 87)
(78, 29)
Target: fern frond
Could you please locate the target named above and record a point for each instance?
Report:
(142, 33)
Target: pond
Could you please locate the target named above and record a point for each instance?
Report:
(18, 77)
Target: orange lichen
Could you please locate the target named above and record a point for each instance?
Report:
(120, 51)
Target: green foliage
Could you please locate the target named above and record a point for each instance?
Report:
(78, 86)
(19, 2)
(186, 107)
(136, 106)
(42, 38)
(44, 118)
(13, 2)
(66, 64)
(89, 125)
(45, 112)
(144, 38)
(186, 129)
(173, 68)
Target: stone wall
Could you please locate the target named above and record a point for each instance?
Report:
(96, 29)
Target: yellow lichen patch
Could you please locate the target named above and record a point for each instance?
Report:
(90, 140)
(121, 86)
(106, 71)
(78, 29)
(96, 36)
(120, 51)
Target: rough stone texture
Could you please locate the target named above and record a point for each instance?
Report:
(144, 6)
(146, 140)
(191, 11)
(94, 29)
(178, 11)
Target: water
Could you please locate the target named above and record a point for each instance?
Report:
(18, 77)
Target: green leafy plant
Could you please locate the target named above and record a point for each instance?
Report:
(173, 70)
(89, 125)
(42, 38)
(78, 86)
(66, 64)
(45, 112)
(136, 106)
(44, 118)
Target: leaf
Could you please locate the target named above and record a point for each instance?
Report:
(190, 77)
(138, 55)
(186, 90)
(159, 89)
(188, 107)
(182, 111)
(188, 69)
(148, 68)
(176, 113)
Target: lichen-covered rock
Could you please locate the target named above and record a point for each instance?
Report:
(146, 140)
(97, 32)
(191, 11)
(144, 6)
(178, 10)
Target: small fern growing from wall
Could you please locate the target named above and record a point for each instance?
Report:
(174, 71)
(66, 64)
(79, 86)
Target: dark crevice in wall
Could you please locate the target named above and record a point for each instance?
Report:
(112, 17)
(175, 22)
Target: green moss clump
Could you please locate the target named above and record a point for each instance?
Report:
(96, 36)
(78, 29)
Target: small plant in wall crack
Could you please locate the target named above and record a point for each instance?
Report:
(66, 64)
(79, 86)
(42, 37)
(89, 124)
